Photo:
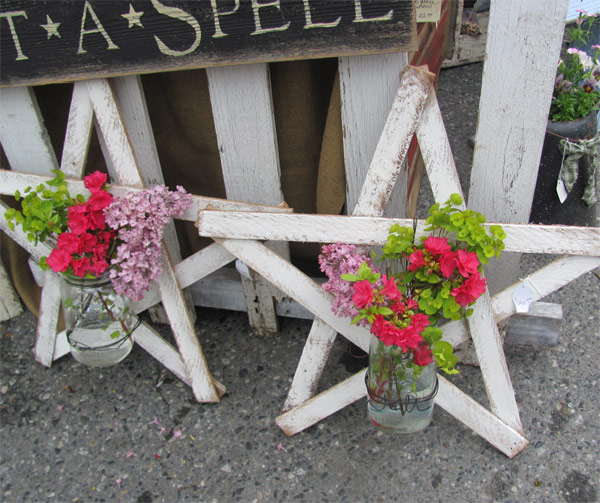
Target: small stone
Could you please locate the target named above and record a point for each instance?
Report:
(226, 469)
(4, 389)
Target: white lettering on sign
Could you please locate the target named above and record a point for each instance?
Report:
(358, 15)
(9, 18)
(99, 29)
(216, 15)
(182, 15)
(310, 24)
(256, 5)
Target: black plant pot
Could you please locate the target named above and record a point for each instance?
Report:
(546, 207)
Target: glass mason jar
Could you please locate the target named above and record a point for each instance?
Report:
(99, 322)
(398, 401)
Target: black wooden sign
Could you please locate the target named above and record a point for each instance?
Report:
(46, 41)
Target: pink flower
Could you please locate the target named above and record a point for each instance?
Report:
(436, 246)
(419, 321)
(95, 181)
(81, 267)
(468, 263)
(100, 200)
(363, 293)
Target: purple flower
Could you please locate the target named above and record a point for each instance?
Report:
(588, 85)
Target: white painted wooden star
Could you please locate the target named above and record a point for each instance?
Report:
(415, 111)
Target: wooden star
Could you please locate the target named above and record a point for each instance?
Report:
(415, 111)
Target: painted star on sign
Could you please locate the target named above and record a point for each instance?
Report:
(51, 27)
(133, 17)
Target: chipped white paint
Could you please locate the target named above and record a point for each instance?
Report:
(249, 162)
(23, 135)
(368, 86)
(10, 306)
(553, 239)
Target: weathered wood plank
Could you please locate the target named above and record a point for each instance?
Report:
(538, 327)
(10, 181)
(250, 163)
(552, 239)
(23, 135)
(390, 154)
(368, 86)
(45, 42)
(312, 362)
(78, 134)
(9, 302)
(127, 172)
(48, 319)
(512, 118)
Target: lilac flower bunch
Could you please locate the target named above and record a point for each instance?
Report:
(140, 219)
(335, 260)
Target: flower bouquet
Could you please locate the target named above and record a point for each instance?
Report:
(577, 86)
(106, 250)
(429, 280)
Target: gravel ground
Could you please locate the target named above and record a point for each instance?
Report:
(133, 433)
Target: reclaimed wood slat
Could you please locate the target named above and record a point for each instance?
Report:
(552, 239)
(10, 306)
(13, 180)
(368, 86)
(22, 130)
(78, 134)
(512, 118)
(125, 165)
(250, 163)
(50, 303)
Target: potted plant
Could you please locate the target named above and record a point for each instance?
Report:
(107, 251)
(429, 280)
(565, 190)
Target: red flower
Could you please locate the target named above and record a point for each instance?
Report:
(470, 291)
(412, 304)
(69, 243)
(416, 260)
(78, 218)
(437, 246)
(95, 181)
(59, 260)
(100, 200)
(81, 266)
(363, 293)
(448, 263)
(390, 289)
(419, 321)
(476, 285)
(468, 263)
(422, 355)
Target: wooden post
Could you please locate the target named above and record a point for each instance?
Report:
(513, 115)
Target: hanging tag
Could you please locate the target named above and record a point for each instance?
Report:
(522, 298)
(242, 269)
(561, 191)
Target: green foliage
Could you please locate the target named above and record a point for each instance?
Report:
(466, 228)
(576, 91)
(43, 209)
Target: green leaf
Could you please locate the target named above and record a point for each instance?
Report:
(115, 334)
(350, 277)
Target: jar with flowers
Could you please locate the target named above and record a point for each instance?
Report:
(566, 191)
(107, 251)
(424, 281)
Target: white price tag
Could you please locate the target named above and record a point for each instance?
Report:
(242, 269)
(522, 298)
(561, 191)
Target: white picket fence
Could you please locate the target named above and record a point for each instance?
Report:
(370, 87)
